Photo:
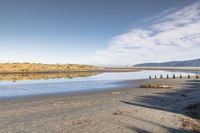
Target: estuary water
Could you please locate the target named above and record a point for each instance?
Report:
(45, 84)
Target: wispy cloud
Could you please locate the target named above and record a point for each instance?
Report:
(171, 36)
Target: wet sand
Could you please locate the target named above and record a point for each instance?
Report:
(126, 110)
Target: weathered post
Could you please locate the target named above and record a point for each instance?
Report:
(174, 76)
(188, 76)
(167, 76)
(155, 77)
(161, 76)
(149, 76)
(197, 76)
(181, 76)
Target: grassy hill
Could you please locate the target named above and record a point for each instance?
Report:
(39, 68)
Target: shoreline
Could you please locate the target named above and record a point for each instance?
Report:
(129, 109)
(125, 85)
(128, 84)
(111, 69)
(50, 72)
(132, 69)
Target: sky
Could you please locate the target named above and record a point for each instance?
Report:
(99, 32)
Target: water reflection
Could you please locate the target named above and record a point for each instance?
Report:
(43, 76)
(59, 83)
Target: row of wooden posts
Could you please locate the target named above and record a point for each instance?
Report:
(174, 76)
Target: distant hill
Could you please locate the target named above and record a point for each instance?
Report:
(188, 63)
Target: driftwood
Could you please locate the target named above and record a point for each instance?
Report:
(155, 86)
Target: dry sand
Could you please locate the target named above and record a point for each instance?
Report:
(126, 110)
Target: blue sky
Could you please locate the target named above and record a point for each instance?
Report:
(95, 31)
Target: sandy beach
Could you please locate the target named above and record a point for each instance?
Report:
(125, 110)
(99, 66)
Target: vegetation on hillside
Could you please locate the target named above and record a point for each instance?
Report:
(32, 67)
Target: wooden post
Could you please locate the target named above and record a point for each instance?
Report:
(181, 76)
(188, 76)
(197, 76)
(155, 77)
(174, 76)
(161, 76)
(149, 76)
(167, 76)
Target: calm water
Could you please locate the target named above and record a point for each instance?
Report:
(39, 84)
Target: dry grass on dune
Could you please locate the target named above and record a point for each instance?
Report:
(32, 67)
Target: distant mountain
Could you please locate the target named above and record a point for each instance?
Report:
(188, 63)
